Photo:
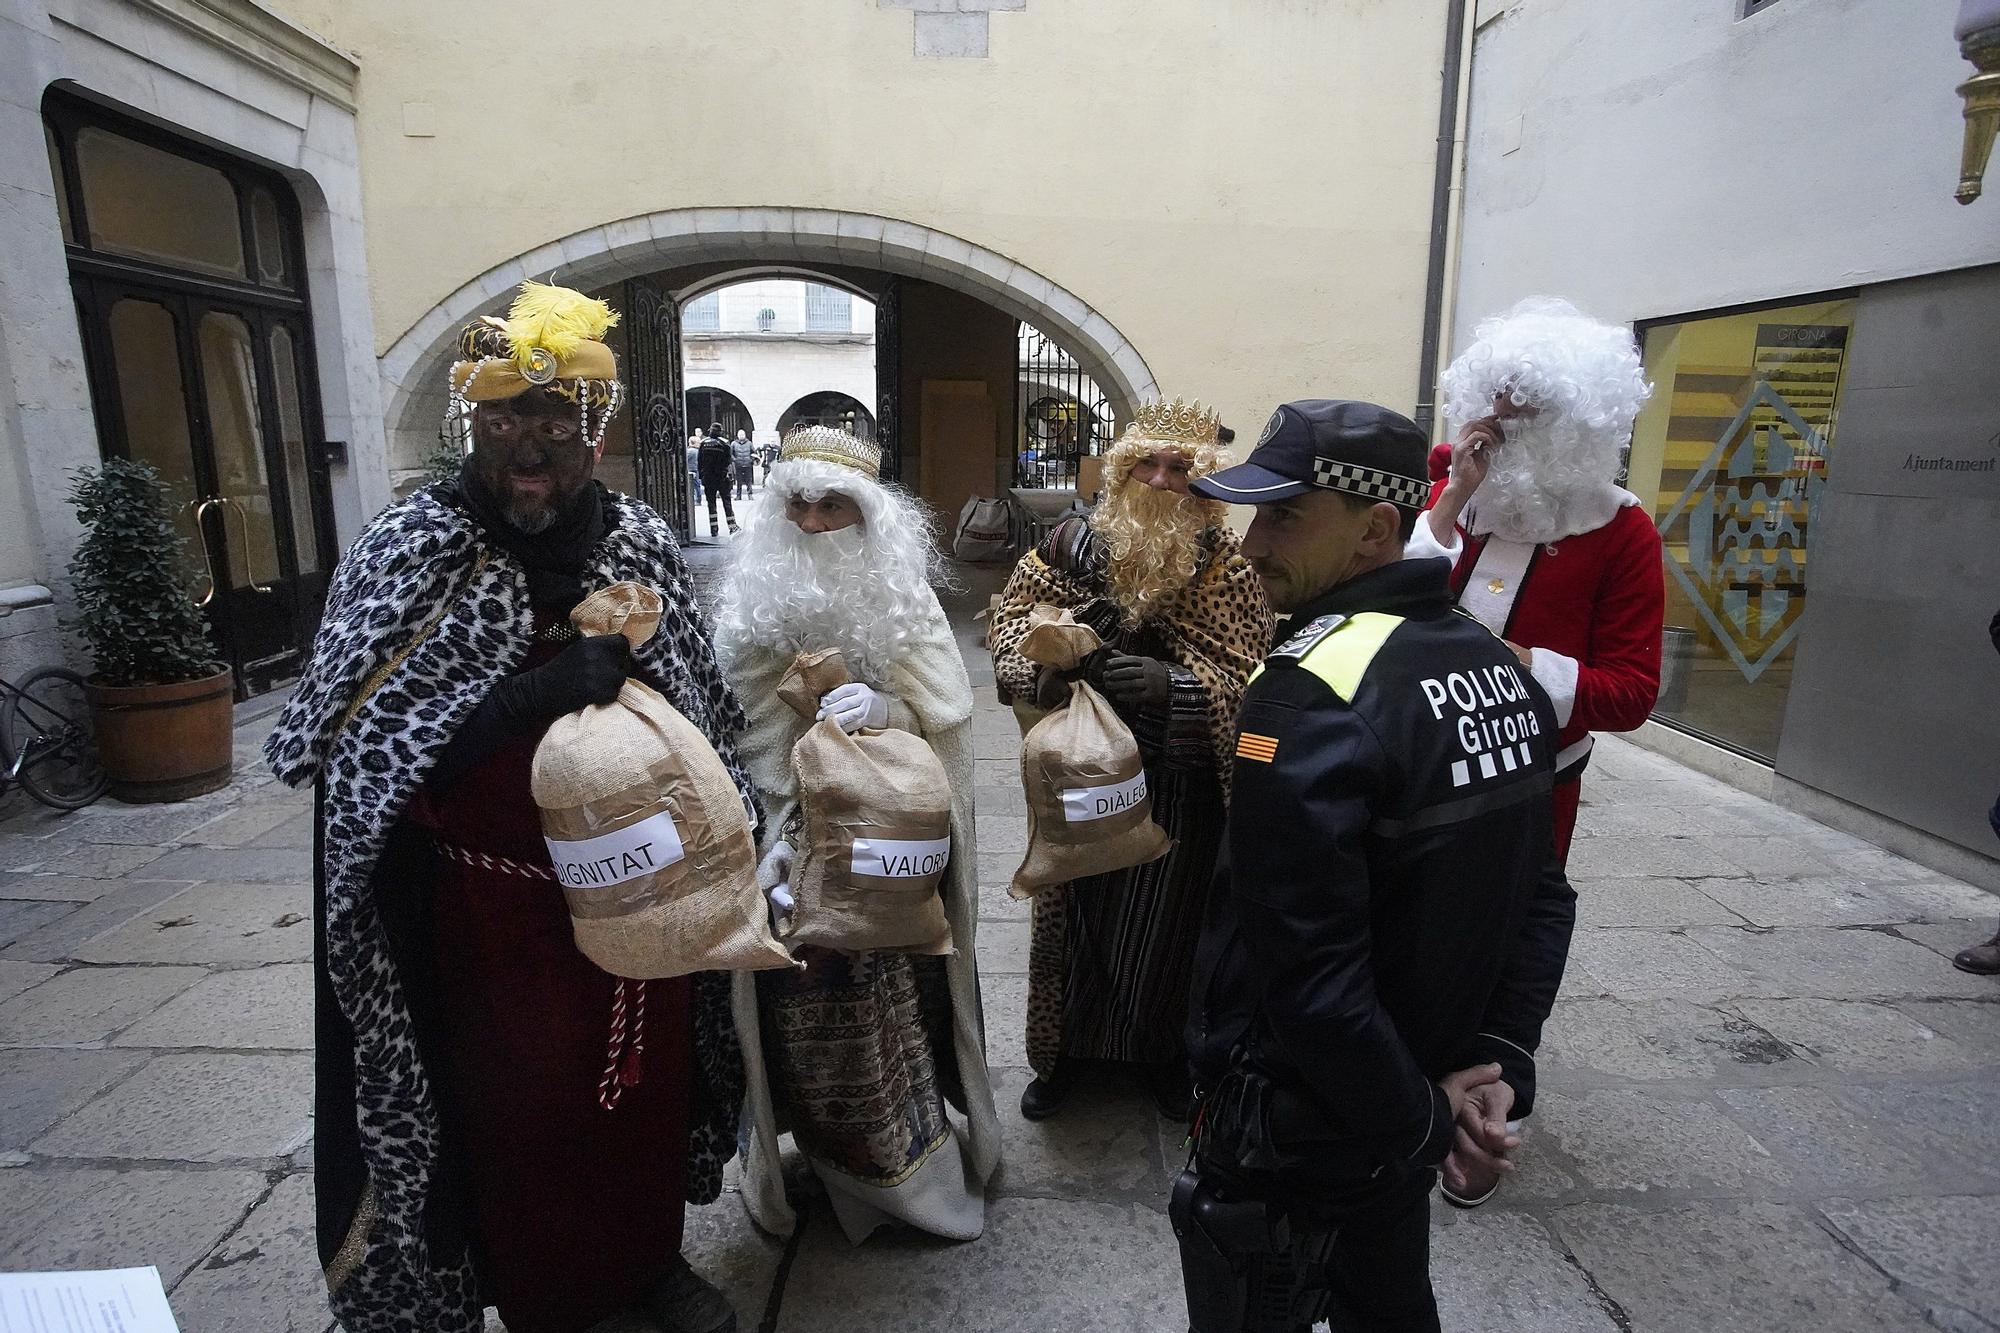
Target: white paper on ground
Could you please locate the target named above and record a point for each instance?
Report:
(123, 1300)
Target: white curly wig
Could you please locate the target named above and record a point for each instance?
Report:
(865, 590)
(1556, 474)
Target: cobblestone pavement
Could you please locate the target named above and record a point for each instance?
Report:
(1770, 1103)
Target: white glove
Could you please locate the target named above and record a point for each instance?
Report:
(774, 876)
(854, 707)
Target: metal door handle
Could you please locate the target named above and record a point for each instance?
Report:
(201, 530)
(200, 508)
(243, 520)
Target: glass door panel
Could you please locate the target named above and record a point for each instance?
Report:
(249, 525)
(146, 362)
(229, 375)
(292, 435)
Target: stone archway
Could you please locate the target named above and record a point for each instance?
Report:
(413, 367)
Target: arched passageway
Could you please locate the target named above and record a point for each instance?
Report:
(718, 411)
(828, 408)
(963, 312)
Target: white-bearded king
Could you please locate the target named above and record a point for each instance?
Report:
(1184, 621)
(1549, 552)
(857, 1054)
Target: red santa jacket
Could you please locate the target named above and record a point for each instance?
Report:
(1592, 605)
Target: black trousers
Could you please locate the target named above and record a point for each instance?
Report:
(716, 483)
(1359, 1260)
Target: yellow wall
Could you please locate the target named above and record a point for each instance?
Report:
(1241, 187)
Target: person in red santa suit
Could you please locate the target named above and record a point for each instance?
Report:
(1556, 558)
(1548, 551)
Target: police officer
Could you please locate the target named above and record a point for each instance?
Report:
(1388, 929)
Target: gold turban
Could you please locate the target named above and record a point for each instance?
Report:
(552, 337)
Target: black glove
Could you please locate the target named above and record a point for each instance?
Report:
(589, 671)
(1136, 682)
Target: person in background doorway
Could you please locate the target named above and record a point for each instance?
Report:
(1366, 989)
(715, 462)
(1158, 575)
(857, 1053)
(1548, 550)
(743, 464)
(474, 1141)
(1984, 959)
(694, 471)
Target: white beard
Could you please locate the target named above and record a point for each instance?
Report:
(863, 589)
(1547, 483)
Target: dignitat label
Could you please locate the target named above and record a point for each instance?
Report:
(643, 848)
(899, 858)
(1083, 804)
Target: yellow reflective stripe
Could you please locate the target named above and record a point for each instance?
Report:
(1342, 658)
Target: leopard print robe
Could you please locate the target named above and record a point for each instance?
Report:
(422, 620)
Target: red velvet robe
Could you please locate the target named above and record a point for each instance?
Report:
(1595, 601)
(576, 1210)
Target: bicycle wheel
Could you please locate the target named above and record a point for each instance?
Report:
(47, 720)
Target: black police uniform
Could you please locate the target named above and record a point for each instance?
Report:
(1387, 911)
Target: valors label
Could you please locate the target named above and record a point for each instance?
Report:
(1083, 804)
(643, 848)
(895, 858)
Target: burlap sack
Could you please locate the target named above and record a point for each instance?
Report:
(1088, 808)
(877, 808)
(648, 834)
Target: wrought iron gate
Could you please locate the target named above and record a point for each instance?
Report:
(1065, 417)
(889, 377)
(659, 431)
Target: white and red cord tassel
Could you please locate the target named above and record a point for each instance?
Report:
(624, 1064)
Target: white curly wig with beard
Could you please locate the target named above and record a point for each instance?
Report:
(1556, 474)
(865, 590)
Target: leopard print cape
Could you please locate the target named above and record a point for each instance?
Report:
(422, 620)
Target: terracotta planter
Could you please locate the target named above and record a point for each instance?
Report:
(165, 742)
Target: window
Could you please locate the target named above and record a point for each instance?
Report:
(151, 204)
(136, 194)
(828, 309)
(703, 314)
(1732, 452)
(269, 226)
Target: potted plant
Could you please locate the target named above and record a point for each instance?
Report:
(161, 701)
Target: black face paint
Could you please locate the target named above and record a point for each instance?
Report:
(531, 455)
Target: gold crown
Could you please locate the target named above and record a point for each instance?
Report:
(1178, 422)
(829, 445)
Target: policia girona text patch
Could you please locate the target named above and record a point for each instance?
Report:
(1494, 720)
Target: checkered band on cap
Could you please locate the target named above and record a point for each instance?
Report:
(1370, 483)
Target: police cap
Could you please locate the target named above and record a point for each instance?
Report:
(1329, 444)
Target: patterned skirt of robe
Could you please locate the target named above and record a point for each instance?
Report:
(1109, 957)
(859, 1047)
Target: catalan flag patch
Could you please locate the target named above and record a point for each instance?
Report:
(1263, 749)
